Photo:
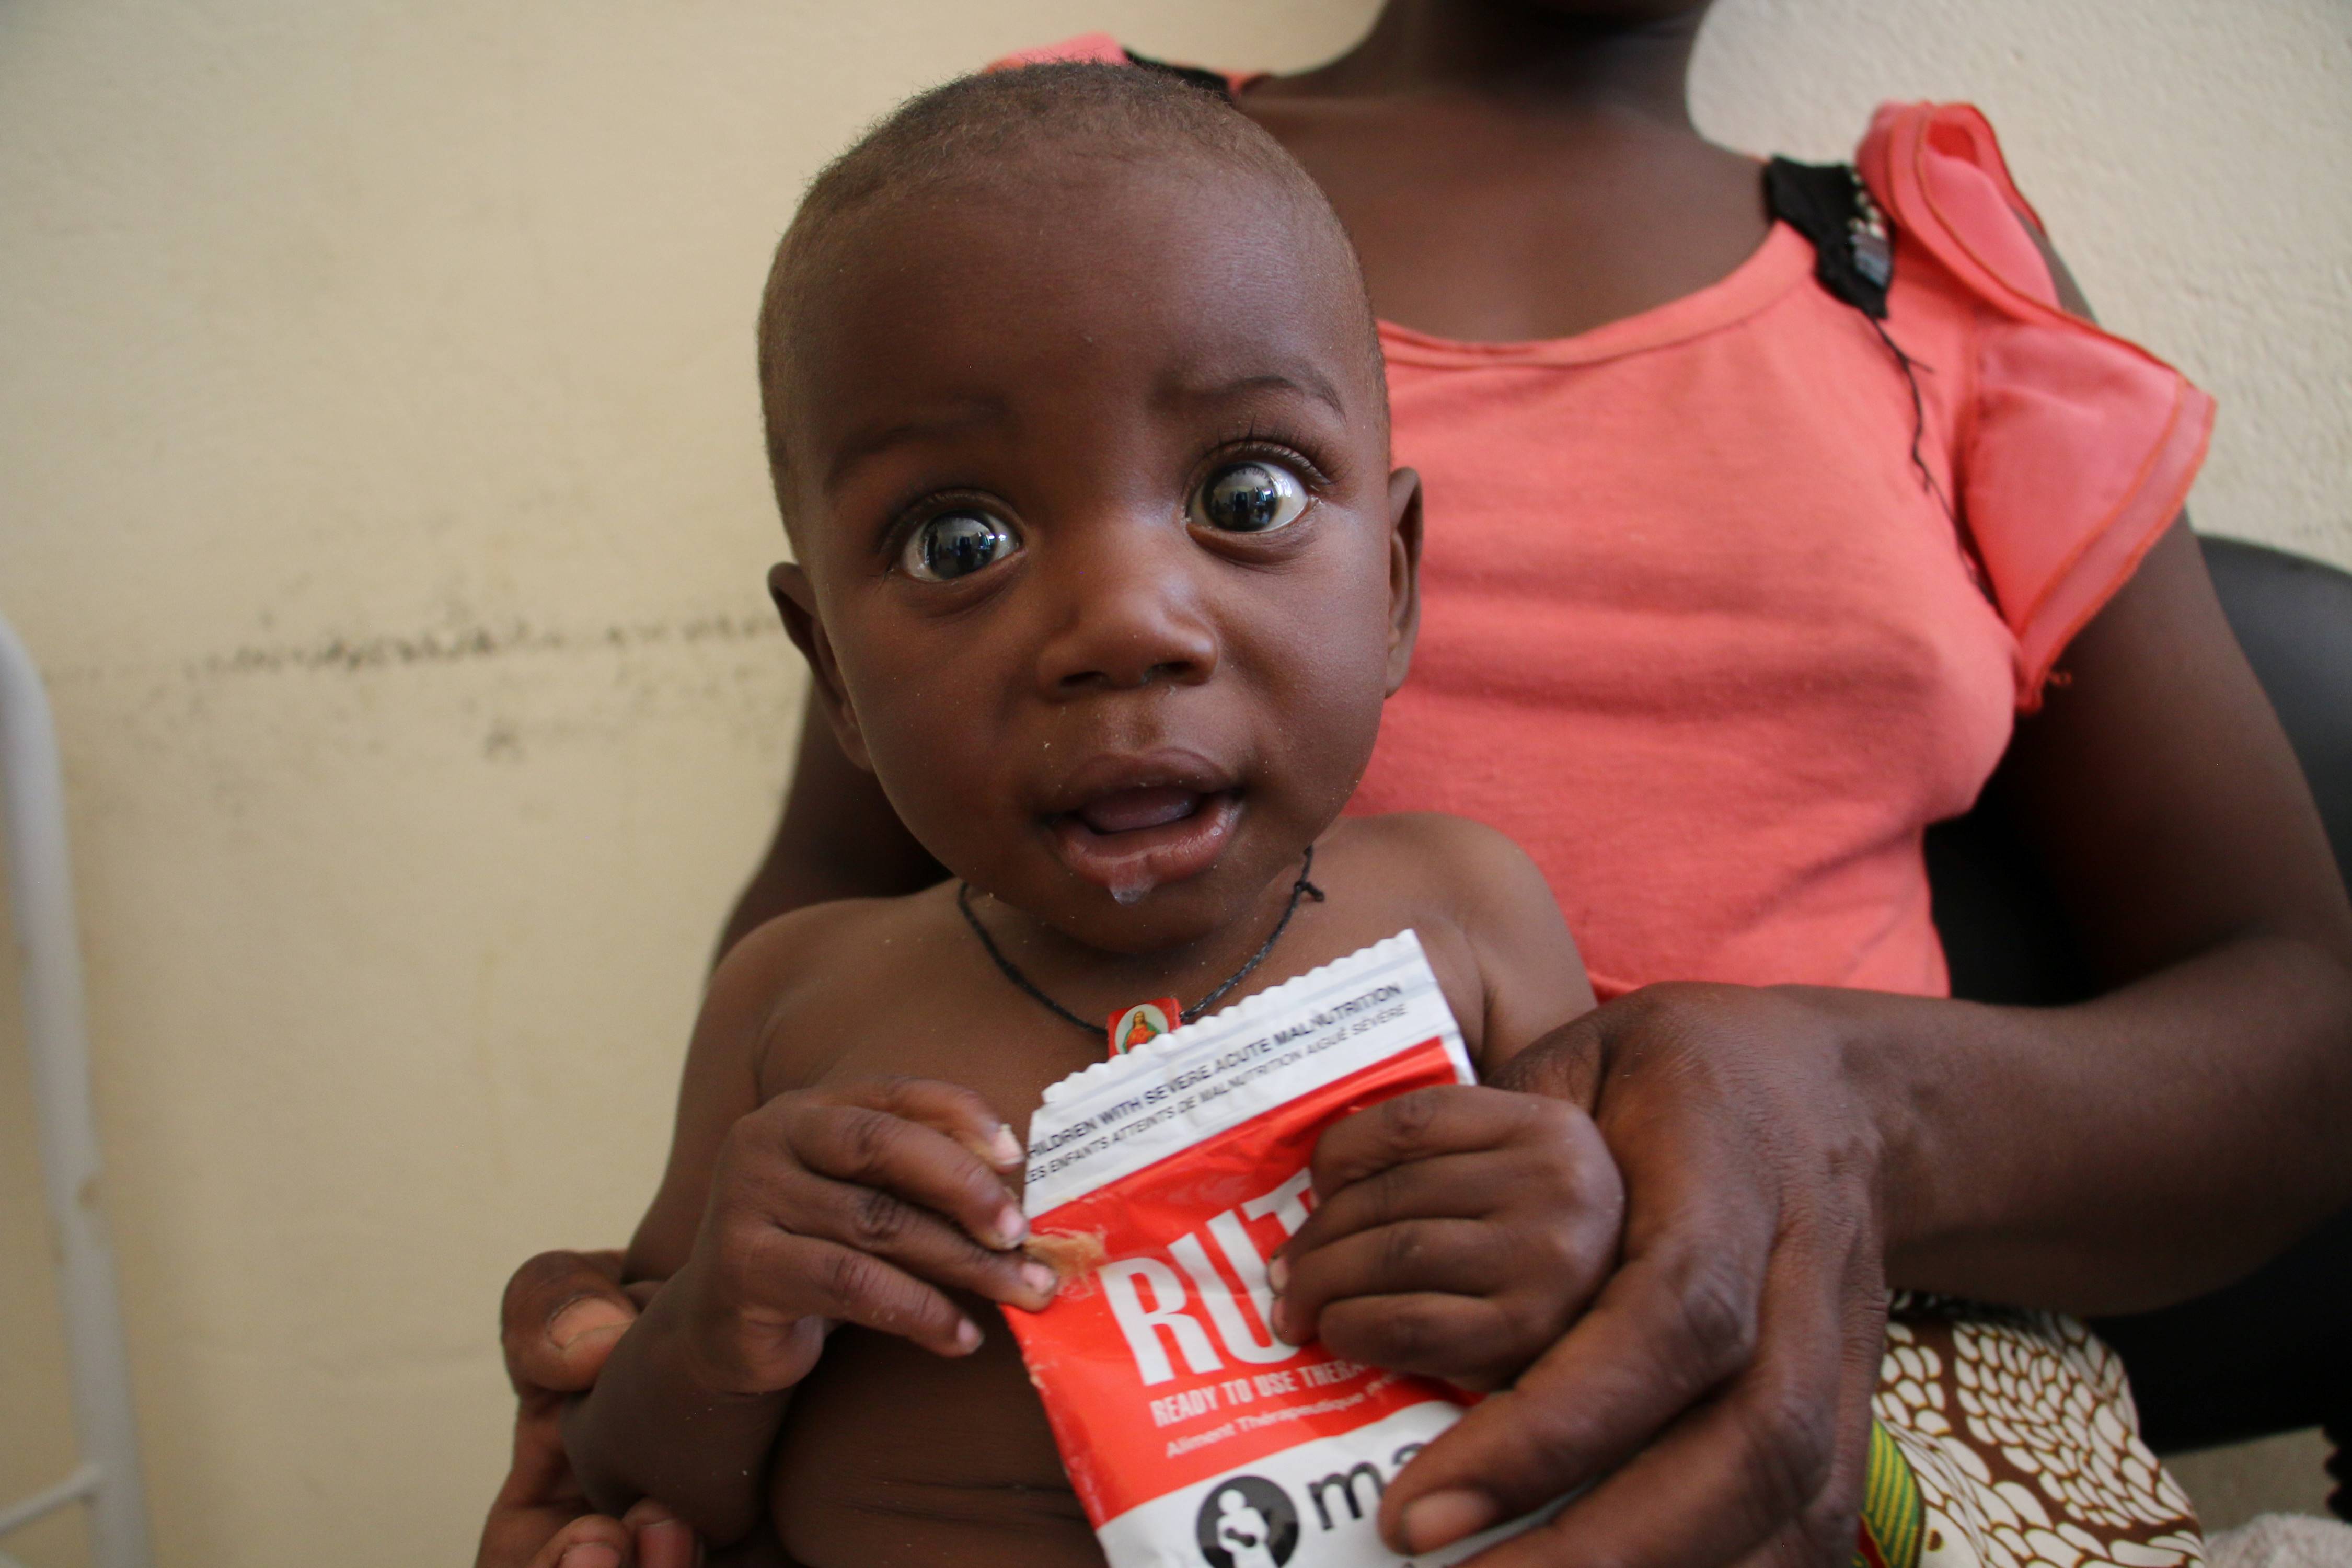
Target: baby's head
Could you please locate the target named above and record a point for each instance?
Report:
(1075, 412)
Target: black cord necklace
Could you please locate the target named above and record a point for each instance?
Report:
(1301, 889)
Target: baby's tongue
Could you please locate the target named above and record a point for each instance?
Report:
(1130, 809)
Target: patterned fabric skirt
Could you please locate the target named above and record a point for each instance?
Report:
(2007, 1439)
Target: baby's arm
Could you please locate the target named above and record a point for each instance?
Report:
(1531, 979)
(773, 1223)
(1458, 1232)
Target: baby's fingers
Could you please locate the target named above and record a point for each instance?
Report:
(1455, 1119)
(867, 1144)
(824, 1279)
(948, 1109)
(915, 1240)
(1448, 1186)
(1458, 1256)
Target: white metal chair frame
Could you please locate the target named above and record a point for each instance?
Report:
(40, 898)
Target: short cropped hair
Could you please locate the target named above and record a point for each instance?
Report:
(981, 127)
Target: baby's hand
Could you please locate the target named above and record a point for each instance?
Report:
(861, 1204)
(1458, 1232)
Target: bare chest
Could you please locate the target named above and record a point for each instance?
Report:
(940, 1007)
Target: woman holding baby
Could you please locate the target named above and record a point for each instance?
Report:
(1745, 560)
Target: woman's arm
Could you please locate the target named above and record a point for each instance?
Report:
(2170, 1135)
(1788, 1152)
(2178, 831)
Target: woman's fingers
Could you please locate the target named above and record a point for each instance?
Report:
(650, 1536)
(1823, 1532)
(1714, 1402)
(663, 1540)
(1679, 1318)
(533, 1518)
(537, 1520)
(563, 1313)
(1818, 1531)
(1431, 1333)
(594, 1542)
(1666, 1331)
(1750, 1467)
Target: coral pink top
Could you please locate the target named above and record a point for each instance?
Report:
(1694, 631)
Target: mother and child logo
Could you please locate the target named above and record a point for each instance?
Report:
(1168, 1176)
(1247, 1523)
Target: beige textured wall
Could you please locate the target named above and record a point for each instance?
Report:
(380, 489)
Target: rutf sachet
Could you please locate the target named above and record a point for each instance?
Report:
(1161, 1182)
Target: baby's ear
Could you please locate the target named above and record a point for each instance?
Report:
(1404, 573)
(795, 598)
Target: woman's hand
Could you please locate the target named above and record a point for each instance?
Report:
(1716, 1398)
(1458, 1232)
(563, 1313)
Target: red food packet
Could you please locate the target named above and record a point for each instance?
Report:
(1160, 1182)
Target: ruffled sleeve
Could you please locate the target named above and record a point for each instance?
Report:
(2078, 448)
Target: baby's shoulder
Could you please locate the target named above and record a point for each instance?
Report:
(1484, 912)
(789, 950)
(1463, 868)
(793, 990)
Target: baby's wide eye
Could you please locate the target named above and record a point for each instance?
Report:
(956, 544)
(1250, 497)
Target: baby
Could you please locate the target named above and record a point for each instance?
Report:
(1077, 417)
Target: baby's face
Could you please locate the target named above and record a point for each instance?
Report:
(1102, 565)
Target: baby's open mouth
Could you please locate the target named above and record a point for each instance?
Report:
(1130, 810)
(1132, 840)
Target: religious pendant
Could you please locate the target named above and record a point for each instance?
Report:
(1144, 1021)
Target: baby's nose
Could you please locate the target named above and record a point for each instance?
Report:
(1133, 611)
